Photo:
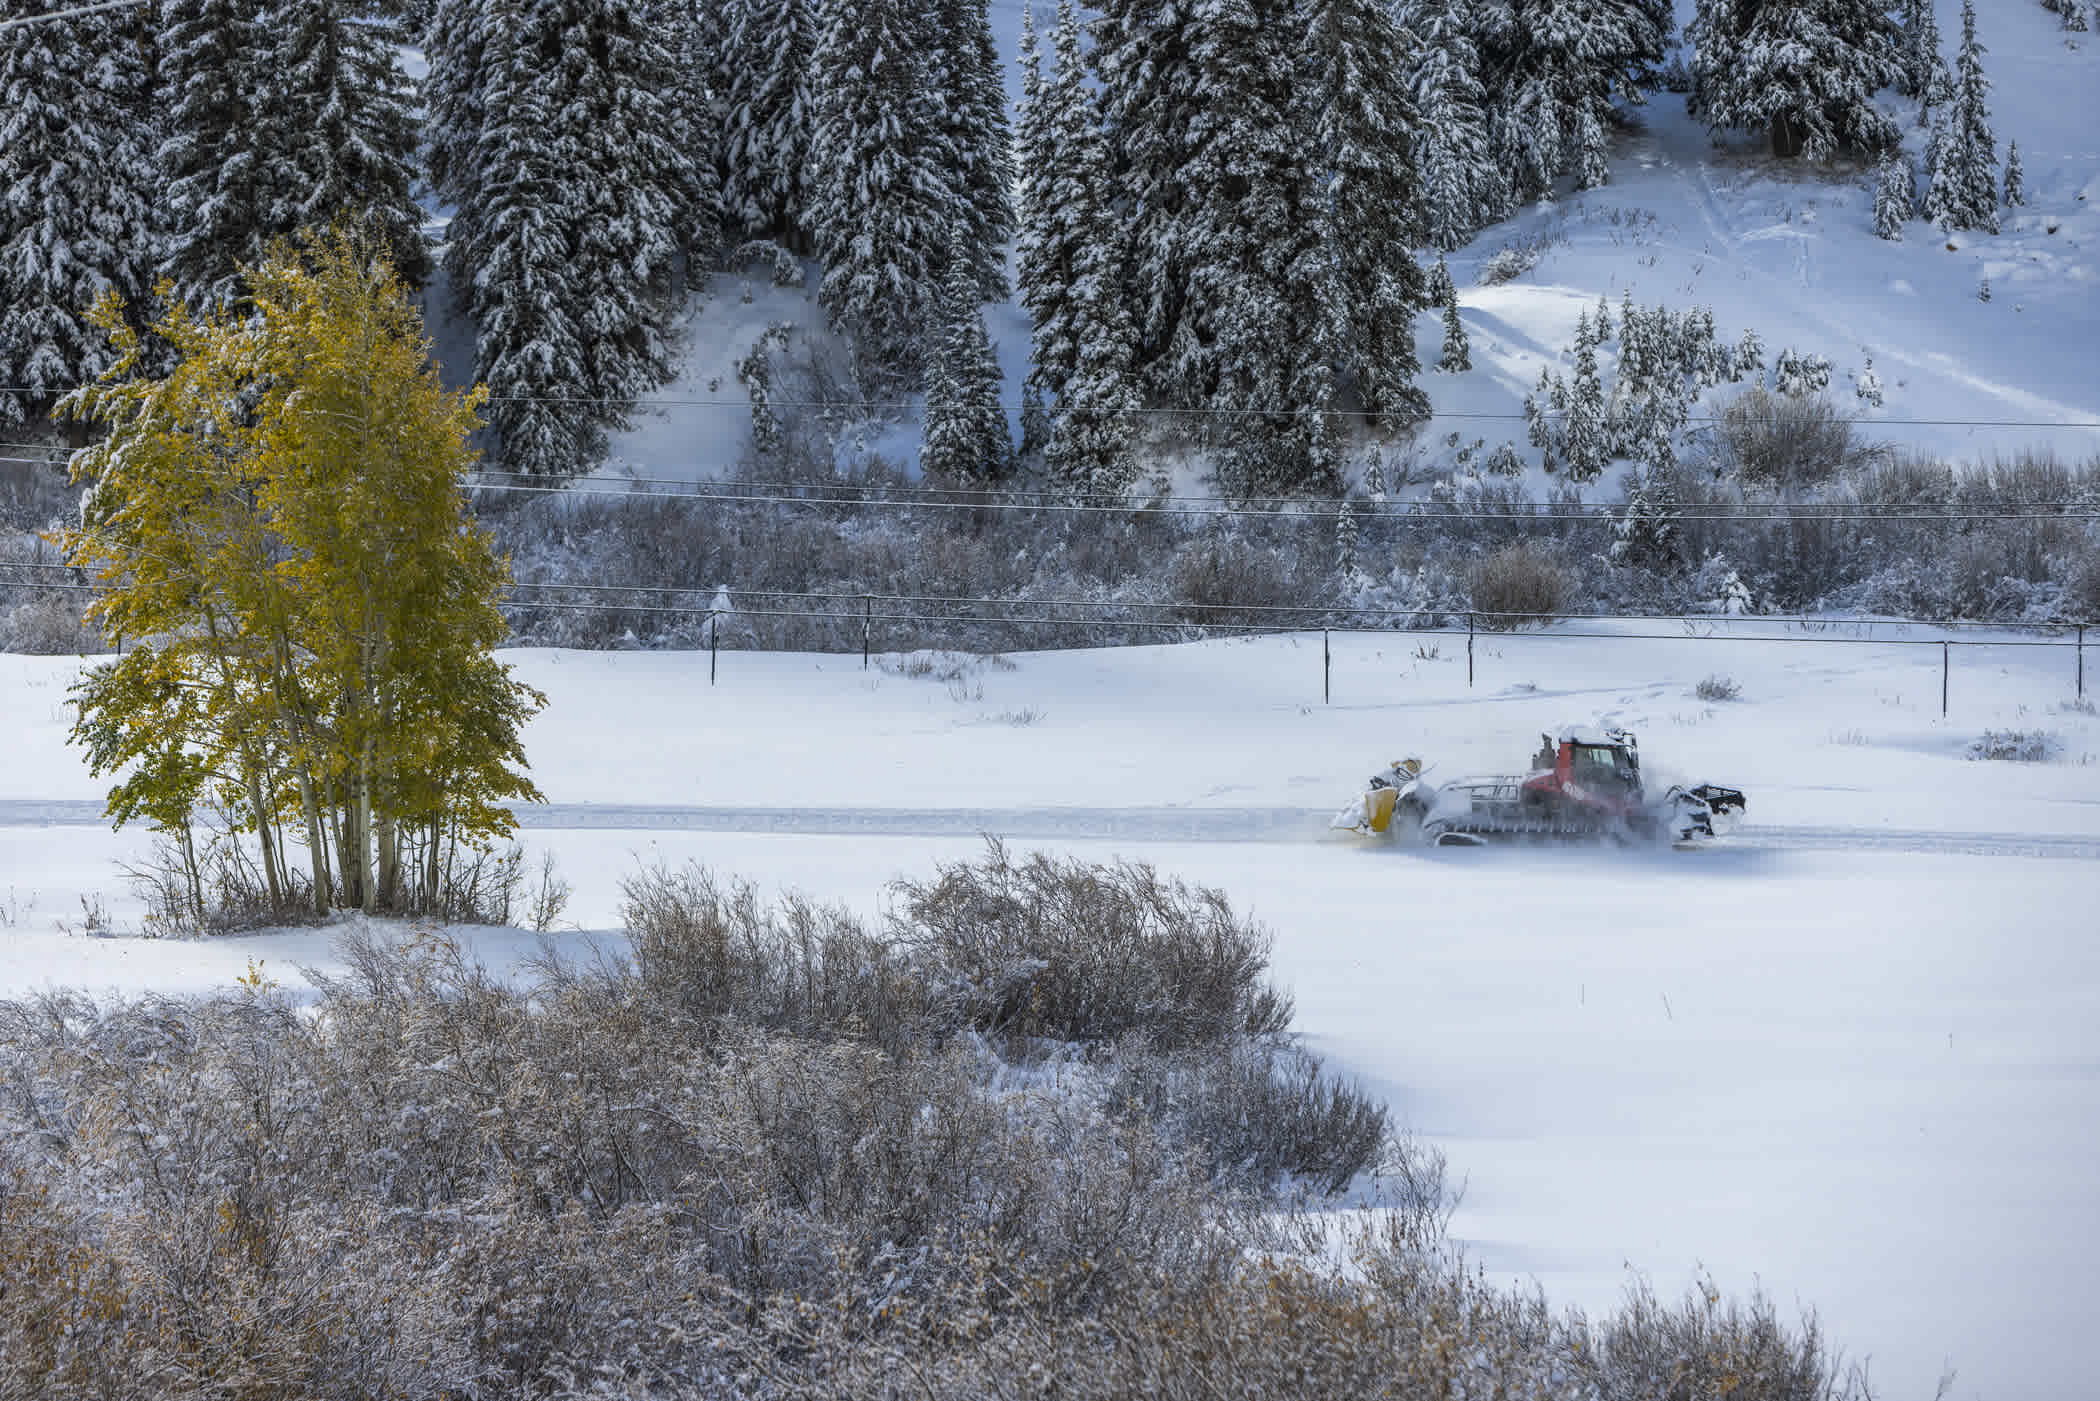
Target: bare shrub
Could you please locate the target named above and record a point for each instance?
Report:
(1075, 952)
(1718, 688)
(1516, 585)
(1221, 580)
(709, 950)
(1785, 440)
(1257, 1113)
(1711, 1346)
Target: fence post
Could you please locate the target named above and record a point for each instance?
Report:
(1469, 649)
(1326, 671)
(1943, 680)
(867, 615)
(2081, 661)
(714, 629)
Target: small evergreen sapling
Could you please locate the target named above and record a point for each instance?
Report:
(1457, 355)
(1867, 385)
(2015, 181)
(1892, 194)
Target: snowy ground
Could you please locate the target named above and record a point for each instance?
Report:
(1783, 247)
(1853, 1055)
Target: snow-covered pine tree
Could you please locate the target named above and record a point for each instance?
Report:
(1070, 271)
(963, 63)
(212, 54)
(1150, 107)
(881, 203)
(342, 110)
(1749, 356)
(1867, 385)
(1964, 191)
(1346, 536)
(1462, 185)
(1457, 354)
(77, 197)
(1552, 69)
(1359, 309)
(1092, 444)
(966, 438)
(1584, 439)
(2015, 180)
(1441, 289)
(1600, 325)
(1260, 328)
(1918, 50)
(1647, 534)
(576, 225)
(1893, 186)
(768, 108)
(1805, 71)
(1042, 256)
(455, 75)
(514, 275)
(1504, 461)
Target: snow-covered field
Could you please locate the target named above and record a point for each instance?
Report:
(1854, 1055)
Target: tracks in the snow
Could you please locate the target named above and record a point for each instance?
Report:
(1146, 824)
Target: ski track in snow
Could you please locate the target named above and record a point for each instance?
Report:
(1267, 825)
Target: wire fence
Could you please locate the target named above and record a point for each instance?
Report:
(886, 623)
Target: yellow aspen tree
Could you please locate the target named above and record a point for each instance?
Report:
(280, 522)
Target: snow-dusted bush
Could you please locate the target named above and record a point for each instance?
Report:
(1784, 439)
(1067, 951)
(2014, 746)
(1516, 585)
(1718, 688)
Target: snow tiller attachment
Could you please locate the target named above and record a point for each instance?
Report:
(1584, 785)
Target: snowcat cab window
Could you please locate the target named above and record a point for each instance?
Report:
(1600, 764)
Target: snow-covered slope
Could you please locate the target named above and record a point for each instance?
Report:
(1785, 248)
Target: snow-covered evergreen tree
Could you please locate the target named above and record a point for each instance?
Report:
(1346, 537)
(1552, 69)
(211, 57)
(1584, 439)
(1964, 181)
(1092, 445)
(1800, 375)
(1359, 308)
(1067, 226)
(975, 145)
(454, 44)
(1457, 354)
(515, 276)
(1893, 189)
(966, 437)
(1805, 71)
(1462, 184)
(1867, 385)
(342, 110)
(1504, 461)
(2015, 180)
(575, 201)
(1441, 289)
(768, 111)
(1647, 533)
(77, 197)
(881, 198)
(1918, 50)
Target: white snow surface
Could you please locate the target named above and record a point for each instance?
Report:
(1687, 219)
(1853, 1055)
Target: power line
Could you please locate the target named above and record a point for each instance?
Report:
(1204, 411)
(73, 13)
(1415, 513)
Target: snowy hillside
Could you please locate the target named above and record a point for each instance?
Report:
(1785, 248)
(1841, 1056)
